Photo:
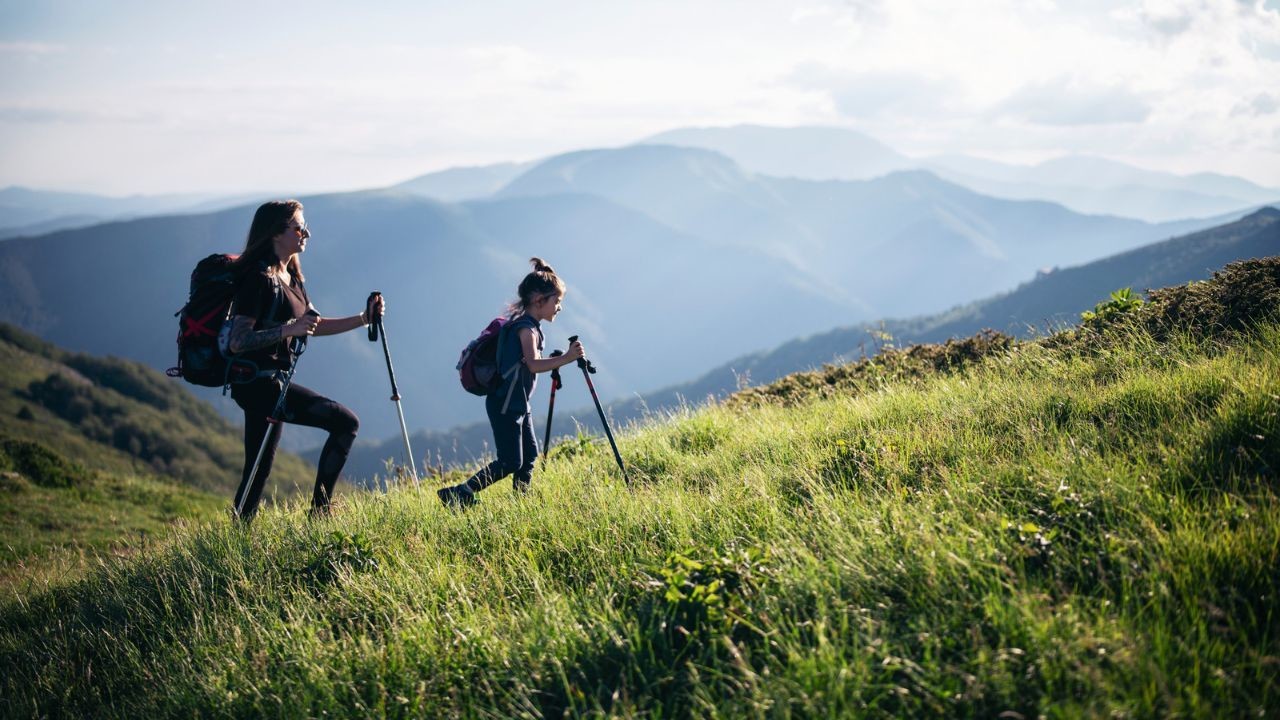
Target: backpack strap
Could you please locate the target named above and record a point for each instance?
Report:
(277, 291)
(497, 354)
(507, 375)
(511, 386)
(233, 359)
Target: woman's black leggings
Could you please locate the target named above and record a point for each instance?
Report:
(302, 407)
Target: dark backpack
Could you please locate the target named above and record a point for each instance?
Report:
(478, 365)
(203, 358)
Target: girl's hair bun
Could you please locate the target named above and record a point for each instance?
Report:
(540, 265)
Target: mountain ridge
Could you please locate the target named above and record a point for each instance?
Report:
(1081, 182)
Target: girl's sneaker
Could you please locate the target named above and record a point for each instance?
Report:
(457, 496)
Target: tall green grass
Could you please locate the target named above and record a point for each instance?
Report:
(1046, 533)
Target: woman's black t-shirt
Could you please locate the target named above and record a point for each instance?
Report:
(255, 298)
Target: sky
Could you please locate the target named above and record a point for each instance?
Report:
(131, 97)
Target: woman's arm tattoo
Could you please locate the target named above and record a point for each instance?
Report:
(243, 338)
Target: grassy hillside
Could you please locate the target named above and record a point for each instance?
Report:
(1087, 525)
(96, 452)
(60, 517)
(1050, 301)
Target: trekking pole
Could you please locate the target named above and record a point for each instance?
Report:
(376, 328)
(551, 408)
(587, 370)
(299, 344)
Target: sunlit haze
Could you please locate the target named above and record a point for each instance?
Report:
(133, 97)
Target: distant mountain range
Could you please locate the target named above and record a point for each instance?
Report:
(446, 271)
(1085, 184)
(1095, 185)
(908, 239)
(1050, 301)
(676, 260)
(806, 153)
(28, 212)
(464, 183)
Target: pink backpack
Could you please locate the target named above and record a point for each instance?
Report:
(478, 366)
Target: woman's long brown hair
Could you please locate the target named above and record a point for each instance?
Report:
(271, 219)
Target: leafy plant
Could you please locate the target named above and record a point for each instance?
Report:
(341, 551)
(710, 594)
(575, 446)
(1122, 303)
(853, 460)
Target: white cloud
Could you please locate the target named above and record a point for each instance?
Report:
(514, 64)
(61, 115)
(1165, 17)
(1184, 83)
(1260, 104)
(1069, 101)
(1158, 84)
(844, 13)
(873, 94)
(31, 48)
(1247, 23)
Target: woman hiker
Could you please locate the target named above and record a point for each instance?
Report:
(271, 308)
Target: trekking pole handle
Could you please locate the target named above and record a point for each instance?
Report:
(583, 362)
(373, 321)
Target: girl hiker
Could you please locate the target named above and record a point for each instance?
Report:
(270, 308)
(519, 360)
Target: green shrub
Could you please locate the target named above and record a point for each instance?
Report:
(889, 365)
(39, 464)
(1122, 303)
(28, 342)
(711, 595)
(131, 379)
(340, 552)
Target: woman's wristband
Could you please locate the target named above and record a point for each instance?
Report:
(364, 319)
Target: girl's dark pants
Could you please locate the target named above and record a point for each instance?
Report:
(302, 407)
(517, 448)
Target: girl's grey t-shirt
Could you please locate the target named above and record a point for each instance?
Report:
(510, 355)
